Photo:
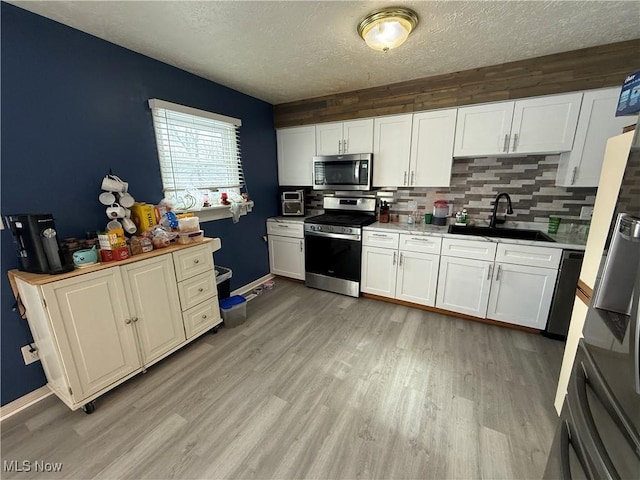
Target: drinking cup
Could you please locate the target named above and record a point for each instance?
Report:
(126, 199)
(128, 225)
(113, 225)
(107, 198)
(116, 211)
(554, 223)
(111, 183)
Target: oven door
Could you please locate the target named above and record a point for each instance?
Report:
(332, 262)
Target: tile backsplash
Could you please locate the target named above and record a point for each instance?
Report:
(529, 181)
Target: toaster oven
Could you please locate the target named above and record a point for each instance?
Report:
(293, 203)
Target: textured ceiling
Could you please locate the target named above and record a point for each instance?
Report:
(285, 51)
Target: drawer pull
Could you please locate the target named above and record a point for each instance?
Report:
(380, 235)
(421, 239)
(283, 226)
(196, 261)
(204, 317)
(201, 289)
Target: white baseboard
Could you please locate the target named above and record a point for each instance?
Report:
(23, 402)
(250, 286)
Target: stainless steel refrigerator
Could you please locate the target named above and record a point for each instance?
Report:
(597, 436)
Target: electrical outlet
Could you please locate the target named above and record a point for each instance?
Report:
(586, 213)
(28, 355)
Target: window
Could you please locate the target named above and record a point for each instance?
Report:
(199, 154)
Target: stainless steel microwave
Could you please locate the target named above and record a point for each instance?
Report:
(343, 172)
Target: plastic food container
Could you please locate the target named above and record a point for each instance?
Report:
(189, 224)
(190, 237)
(234, 311)
(441, 208)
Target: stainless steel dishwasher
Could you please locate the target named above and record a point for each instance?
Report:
(565, 293)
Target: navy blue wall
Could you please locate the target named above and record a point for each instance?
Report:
(75, 106)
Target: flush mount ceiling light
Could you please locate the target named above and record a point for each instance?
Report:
(387, 28)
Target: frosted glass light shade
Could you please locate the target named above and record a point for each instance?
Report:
(387, 28)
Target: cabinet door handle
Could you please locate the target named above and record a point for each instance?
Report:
(394, 258)
(506, 143)
(573, 175)
(127, 321)
(196, 261)
(301, 245)
(404, 182)
(345, 146)
(515, 142)
(339, 146)
(412, 175)
(498, 273)
(489, 272)
(400, 262)
(201, 289)
(134, 319)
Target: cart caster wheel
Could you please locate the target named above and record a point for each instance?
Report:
(89, 408)
(214, 330)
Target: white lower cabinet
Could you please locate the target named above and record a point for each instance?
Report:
(286, 249)
(95, 330)
(400, 268)
(521, 294)
(463, 285)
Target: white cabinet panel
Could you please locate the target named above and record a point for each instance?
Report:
(532, 256)
(391, 149)
(420, 243)
(472, 249)
(202, 317)
(417, 278)
(380, 239)
(521, 295)
(286, 256)
(534, 125)
(432, 140)
(545, 124)
(154, 305)
(296, 148)
(355, 136)
(286, 229)
(463, 285)
(379, 266)
(93, 329)
(597, 123)
(483, 129)
(192, 261)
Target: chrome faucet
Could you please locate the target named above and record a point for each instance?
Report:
(493, 221)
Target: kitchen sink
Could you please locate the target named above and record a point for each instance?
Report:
(514, 233)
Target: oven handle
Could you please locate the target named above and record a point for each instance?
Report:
(342, 236)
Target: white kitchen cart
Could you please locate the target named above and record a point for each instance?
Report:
(96, 327)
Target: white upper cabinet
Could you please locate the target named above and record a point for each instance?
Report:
(432, 148)
(341, 138)
(537, 125)
(483, 129)
(581, 166)
(391, 149)
(545, 124)
(296, 148)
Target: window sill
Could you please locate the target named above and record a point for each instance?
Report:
(219, 212)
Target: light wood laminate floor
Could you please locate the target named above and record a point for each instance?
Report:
(315, 385)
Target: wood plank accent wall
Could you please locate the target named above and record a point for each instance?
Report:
(595, 67)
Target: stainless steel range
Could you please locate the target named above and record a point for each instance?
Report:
(333, 244)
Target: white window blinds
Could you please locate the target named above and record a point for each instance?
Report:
(196, 148)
